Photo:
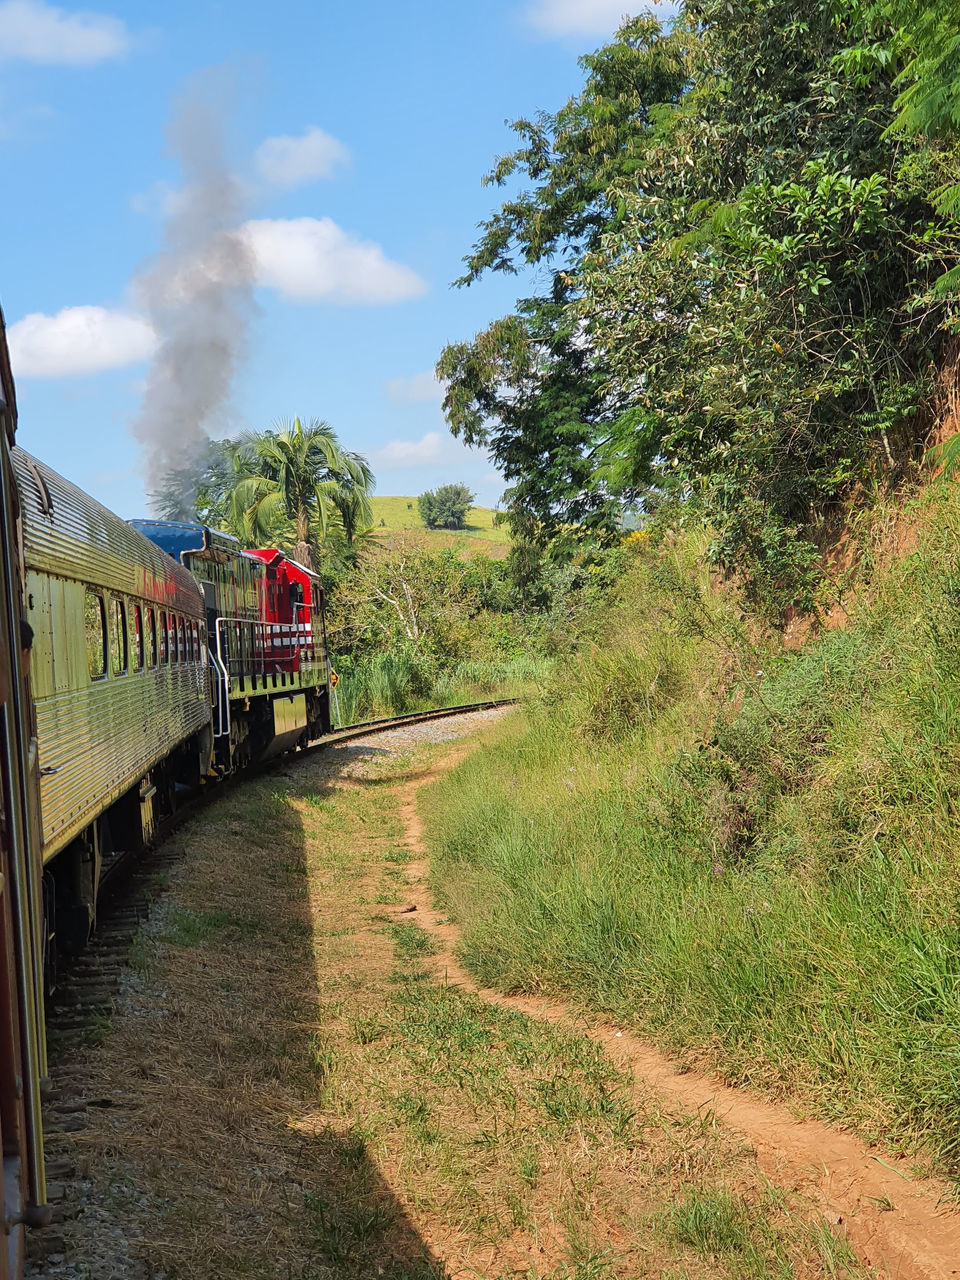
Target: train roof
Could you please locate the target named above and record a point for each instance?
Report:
(179, 538)
(272, 557)
(70, 535)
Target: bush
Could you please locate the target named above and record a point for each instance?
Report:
(446, 507)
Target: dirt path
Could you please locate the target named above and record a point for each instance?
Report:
(897, 1224)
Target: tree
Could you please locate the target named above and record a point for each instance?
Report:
(532, 387)
(446, 507)
(927, 39)
(743, 315)
(769, 293)
(405, 594)
(293, 486)
(201, 489)
(301, 474)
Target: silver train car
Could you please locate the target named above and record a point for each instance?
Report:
(121, 685)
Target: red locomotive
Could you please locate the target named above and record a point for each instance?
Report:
(267, 644)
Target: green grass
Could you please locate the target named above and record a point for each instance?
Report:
(410, 940)
(195, 928)
(748, 853)
(395, 514)
(403, 680)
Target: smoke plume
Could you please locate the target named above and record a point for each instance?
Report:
(198, 293)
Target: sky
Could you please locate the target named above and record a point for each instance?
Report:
(343, 197)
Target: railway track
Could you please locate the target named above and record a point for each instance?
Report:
(82, 1005)
(366, 727)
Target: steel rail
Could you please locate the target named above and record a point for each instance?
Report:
(365, 727)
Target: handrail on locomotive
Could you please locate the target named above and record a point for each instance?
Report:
(244, 648)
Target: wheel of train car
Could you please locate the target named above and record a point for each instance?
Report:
(77, 883)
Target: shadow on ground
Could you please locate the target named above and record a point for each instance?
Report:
(220, 1154)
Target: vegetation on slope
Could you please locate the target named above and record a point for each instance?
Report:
(748, 852)
(748, 255)
(415, 626)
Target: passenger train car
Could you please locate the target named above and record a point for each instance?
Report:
(120, 684)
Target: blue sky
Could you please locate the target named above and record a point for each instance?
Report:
(358, 137)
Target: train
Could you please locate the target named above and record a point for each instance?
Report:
(140, 662)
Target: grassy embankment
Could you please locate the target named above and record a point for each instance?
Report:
(748, 853)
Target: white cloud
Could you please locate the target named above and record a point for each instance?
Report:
(290, 162)
(78, 340)
(314, 260)
(434, 447)
(417, 389)
(36, 32)
(591, 17)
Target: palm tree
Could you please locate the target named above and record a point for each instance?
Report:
(300, 474)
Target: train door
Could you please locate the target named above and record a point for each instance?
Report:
(217, 667)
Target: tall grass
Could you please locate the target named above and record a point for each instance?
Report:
(750, 854)
(403, 680)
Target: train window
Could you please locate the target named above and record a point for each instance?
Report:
(152, 637)
(163, 639)
(182, 640)
(118, 637)
(137, 638)
(195, 637)
(95, 635)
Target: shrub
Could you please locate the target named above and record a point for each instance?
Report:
(446, 507)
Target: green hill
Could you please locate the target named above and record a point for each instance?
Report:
(394, 514)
